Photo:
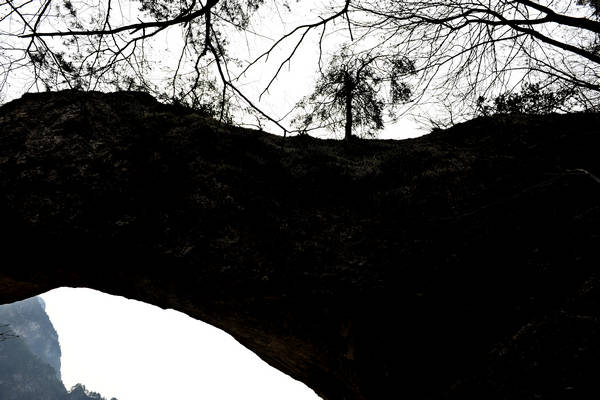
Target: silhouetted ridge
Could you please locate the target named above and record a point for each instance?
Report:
(421, 268)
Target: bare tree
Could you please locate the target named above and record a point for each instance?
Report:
(96, 44)
(467, 49)
(461, 49)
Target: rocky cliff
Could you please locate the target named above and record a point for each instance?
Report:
(30, 356)
(462, 264)
(29, 321)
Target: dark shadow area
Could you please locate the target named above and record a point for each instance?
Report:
(462, 264)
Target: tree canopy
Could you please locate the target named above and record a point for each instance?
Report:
(531, 99)
(350, 94)
(459, 50)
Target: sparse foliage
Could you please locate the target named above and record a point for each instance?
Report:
(531, 99)
(98, 45)
(354, 92)
(466, 49)
(459, 50)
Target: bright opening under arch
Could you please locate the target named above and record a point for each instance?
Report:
(135, 351)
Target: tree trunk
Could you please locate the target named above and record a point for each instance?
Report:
(348, 89)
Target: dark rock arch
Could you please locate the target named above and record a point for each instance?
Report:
(426, 268)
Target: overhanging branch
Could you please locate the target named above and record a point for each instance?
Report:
(182, 18)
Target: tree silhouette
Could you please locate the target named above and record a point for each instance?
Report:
(461, 50)
(467, 49)
(350, 94)
(531, 99)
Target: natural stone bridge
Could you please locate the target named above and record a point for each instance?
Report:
(459, 265)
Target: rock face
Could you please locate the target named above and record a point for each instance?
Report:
(30, 356)
(458, 265)
(28, 320)
(24, 376)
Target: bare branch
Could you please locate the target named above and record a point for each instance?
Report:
(180, 19)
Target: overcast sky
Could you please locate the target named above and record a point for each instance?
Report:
(297, 78)
(134, 351)
(272, 20)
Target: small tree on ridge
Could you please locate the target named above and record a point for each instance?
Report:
(351, 93)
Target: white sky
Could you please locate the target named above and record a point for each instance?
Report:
(135, 351)
(268, 24)
(271, 20)
(298, 76)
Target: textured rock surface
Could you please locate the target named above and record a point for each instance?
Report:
(28, 320)
(30, 356)
(461, 264)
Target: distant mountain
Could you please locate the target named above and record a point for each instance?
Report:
(24, 376)
(29, 320)
(30, 361)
